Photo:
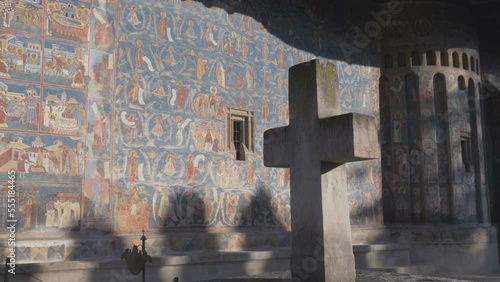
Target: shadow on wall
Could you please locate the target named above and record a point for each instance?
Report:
(491, 130)
(255, 241)
(355, 27)
(204, 251)
(311, 26)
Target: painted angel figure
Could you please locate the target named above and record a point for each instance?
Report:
(180, 130)
(209, 36)
(132, 125)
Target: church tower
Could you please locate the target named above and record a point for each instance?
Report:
(432, 147)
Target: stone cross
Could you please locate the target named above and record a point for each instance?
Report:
(314, 146)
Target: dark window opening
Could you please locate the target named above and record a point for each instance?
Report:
(238, 138)
(461, 83)
(466, 151)
(456, 60)
(416, 59)
(401, 60)
(465, 60)
(388, 61)
(431, 58)
(445, 59)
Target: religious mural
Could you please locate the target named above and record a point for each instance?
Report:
(20, 56)
(19, 106)
(64, 111)
(68, 19)
(42, 157)
(47, 207)
(65, 64)
(25, 15)
(99, 129)
(425, 143)
(131, 110)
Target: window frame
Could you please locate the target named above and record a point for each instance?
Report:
(247, 144)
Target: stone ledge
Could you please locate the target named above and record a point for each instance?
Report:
(168, 260)
(380, 247)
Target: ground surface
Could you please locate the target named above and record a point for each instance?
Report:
(367, 276)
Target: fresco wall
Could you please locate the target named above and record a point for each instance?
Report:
(429, 108)
(113, 113)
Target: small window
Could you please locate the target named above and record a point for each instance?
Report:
(445, 59)
(431, 58)
(240, 137)
(477, 66)
(461, 83)
(402, 60)
(466, 150)
(16, 155)
(465, 60)
(456, 60)
(472, 64)
(415, 59)
(388, 61)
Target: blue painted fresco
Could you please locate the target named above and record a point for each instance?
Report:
(132, 109)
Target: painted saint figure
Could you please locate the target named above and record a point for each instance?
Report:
(133, 18)
(103, 28)
(191, 169)
(98, 191)
(133, 171)
(157, 129)
(133, 129)
(99, 136)
(244, 48)
(190, 30)
(281, 56)
(201, 66)
(221, 75)
(163, 25)
(171, 56)
(169, 168)
(160, 91)
(139, 53)
(79, 76)
(265, 50)
(397, 128)
(249, 77)
(168, 207)
(181, 96)
(265, 108)
(135, 90)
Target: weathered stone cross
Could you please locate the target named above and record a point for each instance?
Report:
(315, 145)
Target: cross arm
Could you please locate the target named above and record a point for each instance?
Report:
(276, 147)
(348, 138)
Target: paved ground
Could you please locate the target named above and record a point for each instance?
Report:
(489, 278)
(366, 276)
